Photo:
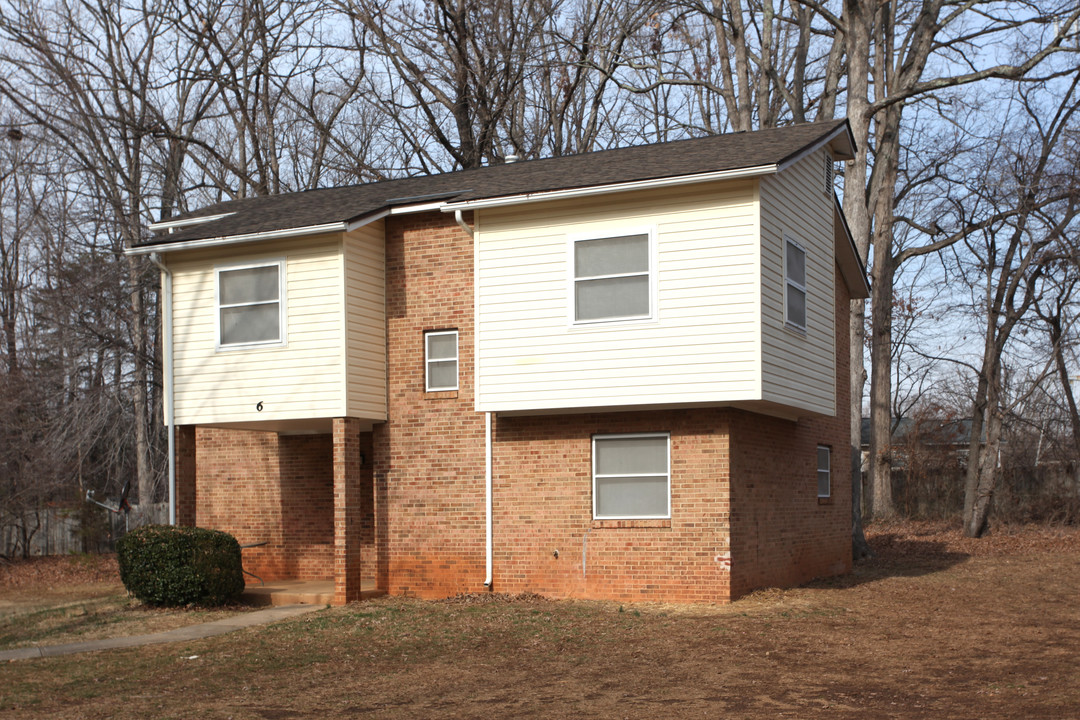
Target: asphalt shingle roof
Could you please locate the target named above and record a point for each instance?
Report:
(644, 162)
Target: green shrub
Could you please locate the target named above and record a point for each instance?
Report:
(172, 565)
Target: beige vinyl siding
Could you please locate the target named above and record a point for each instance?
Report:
(701, 346)
(798, 368)
(365, 321)
(303, 379)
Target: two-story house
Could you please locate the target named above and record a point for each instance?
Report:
(622, 374)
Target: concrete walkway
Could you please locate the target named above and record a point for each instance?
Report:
(191, 632)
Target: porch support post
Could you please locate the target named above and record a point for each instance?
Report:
(186, 476)
(347, 531)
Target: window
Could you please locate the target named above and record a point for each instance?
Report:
(612, 278)
(794, 284)
(631, 476)
(441, 360)
(251, 310)
(824, 482)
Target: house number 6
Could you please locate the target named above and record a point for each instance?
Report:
(258, 406)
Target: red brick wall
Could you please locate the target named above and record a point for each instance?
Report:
(782, 535)
(543, 503)
(430, 455)
(265, 487)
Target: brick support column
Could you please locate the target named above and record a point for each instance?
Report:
(185, 475)
(347, 515)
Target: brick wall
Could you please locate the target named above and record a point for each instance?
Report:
(543, 503)
(265, 487)
(430, 454)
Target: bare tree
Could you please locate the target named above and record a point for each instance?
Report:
(1034, 189)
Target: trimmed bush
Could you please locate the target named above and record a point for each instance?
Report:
(173, 565)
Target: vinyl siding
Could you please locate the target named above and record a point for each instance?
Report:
(701, 346)
(798, 369)
(365, 321)
(303, 379)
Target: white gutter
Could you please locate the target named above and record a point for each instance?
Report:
(258, 236)
(173, 224)
(236, 239)
(167, 357)
(487, 496)
(613, 188)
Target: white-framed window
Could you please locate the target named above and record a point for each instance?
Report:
(440, 360)
(612, 277)
(250, 303)
(631, 476)
(794, 284)
(824, 470)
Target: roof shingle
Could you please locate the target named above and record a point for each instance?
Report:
(644, 162)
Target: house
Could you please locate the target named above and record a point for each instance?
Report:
(618, 375)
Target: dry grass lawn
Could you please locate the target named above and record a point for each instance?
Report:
(937, 627)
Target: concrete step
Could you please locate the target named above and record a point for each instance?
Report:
(298, 592)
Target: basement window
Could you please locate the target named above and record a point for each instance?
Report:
(631, 476)
(250, 305)
(441, 360)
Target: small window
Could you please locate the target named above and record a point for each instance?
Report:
(794, 284)
(612, 278)
(251, 310)
(824, 481)
(631, 476)
(441, 360)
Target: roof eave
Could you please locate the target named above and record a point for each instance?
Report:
(851, 263)
(840, 140)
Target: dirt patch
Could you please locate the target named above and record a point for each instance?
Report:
(45, 573)
(937, 626)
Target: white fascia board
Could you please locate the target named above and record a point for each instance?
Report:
(186, 222)
(842, 130)
(408, 209)
(613, 188)
(238, 239)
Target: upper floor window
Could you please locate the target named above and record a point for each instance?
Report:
(250, 304)
(794, 284)
(612, 278)
(824, 477)
(441, 360)
(631, 476)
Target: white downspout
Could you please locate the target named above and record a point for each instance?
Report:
(487, 494)
(167, 357)
(464, 225)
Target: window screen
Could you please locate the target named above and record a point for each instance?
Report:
(631, 476)
(612, 278)
(441, 360)
(249, 305)
(795, 285)
(824, 481)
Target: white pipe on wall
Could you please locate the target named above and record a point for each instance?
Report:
(487, 496)
(167, 357)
